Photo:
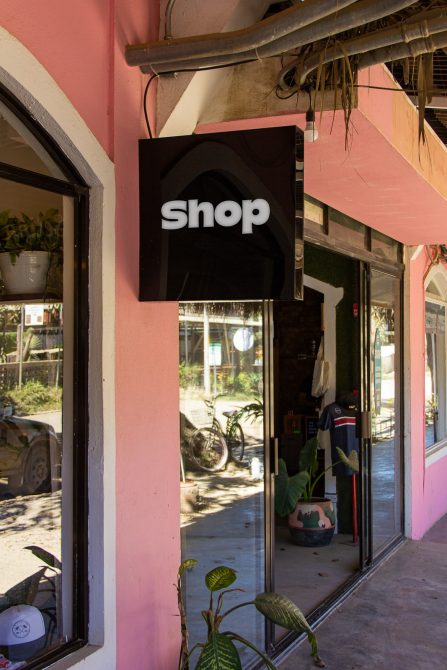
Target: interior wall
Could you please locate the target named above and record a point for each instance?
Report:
(340, 271)
(28, 200)
(297, 338)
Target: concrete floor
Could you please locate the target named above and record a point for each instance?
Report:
(396, 620)
(308, 575)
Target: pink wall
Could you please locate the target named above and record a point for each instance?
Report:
(429, 491)
(81, 45)
(73, 43)
(384, 178)
(148, 537)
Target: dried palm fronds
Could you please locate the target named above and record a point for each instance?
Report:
(409, 36)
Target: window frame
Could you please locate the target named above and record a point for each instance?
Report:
(438, 277)
(76, 188)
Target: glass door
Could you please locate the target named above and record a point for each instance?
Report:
(384, 379)
(315, 545)
(222, 458)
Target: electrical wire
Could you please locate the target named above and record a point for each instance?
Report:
(408, 91)
(174, 72)
(146, 116)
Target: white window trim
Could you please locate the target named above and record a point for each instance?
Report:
(31, 84)
(438, 276)
(436, 452)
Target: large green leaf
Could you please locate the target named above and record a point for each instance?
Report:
(282, 611)
(288, 490)
(267, 662)
(219, 653)
(186, 565)
(285, 613)
(220, 578)
(351, 461)
(308, 456)
(45, 556)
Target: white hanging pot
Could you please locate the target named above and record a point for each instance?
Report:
(26, 274)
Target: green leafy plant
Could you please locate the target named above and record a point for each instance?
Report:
(25, 591)
(431, 409)
(25, 233)
(289, 490)
(189, 374)
(33, 397)
(252, 410)
(219, 651)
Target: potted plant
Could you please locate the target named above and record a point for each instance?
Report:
(219, 650)
(29, 249)
(311, 520)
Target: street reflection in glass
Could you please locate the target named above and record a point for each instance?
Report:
(222, 457)
(31, 357)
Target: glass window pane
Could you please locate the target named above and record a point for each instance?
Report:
(313, 210)
(385, 389)
(435, 373)
(222, 459)
(35, 427)
(346, 229)
(20, 148)
(433, 290)
(383, 246)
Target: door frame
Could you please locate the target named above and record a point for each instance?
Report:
(367, 561)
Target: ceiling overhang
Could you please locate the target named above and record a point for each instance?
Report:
(384, 178)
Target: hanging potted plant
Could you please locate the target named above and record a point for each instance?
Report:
(29, 249)
(311, 520)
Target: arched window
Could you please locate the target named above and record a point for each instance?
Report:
(43, 393)
(435, 358)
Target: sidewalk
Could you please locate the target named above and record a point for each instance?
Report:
(396, 620)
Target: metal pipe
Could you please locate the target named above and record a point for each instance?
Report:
(362, 12)
(403, 33)
(398, 51)
(351, 17)
(252, 37)
(392, 52)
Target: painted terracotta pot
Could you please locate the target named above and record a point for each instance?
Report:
(312, 524)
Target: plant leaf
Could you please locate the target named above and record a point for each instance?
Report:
(25, 591)
(219, 653)
(282, 611)
(186, 565)
(308, 454)
(288, 490)
(285, 613)
(250, 645)
(351, 461)
(220, 578)
(45, 556)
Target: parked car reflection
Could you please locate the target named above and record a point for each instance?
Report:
(29, 453)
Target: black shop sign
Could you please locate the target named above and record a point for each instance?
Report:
(221, 216)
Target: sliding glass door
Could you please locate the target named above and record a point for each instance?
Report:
(248, 399)
(222, 458)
